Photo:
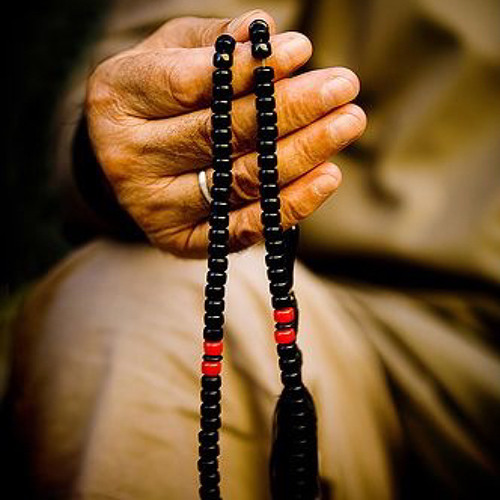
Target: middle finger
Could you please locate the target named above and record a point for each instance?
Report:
(183, 143)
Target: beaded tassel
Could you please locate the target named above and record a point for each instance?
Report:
(294, 462)
(210, 410)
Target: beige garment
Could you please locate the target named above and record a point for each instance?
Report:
(107, 381)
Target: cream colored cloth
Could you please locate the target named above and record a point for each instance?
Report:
(107, 381)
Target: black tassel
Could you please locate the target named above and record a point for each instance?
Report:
(294, 471)
(294, 457)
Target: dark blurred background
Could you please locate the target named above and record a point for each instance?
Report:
(46, 40)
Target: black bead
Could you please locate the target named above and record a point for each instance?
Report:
(221, 134)
(275, 261)
(210, 410)
(280, 302)
(265, 103)
(269, 190)
(214, 306)
(222, 92)
(273, 233)
(267, 118)
(210, 397)
(209, 451)
(222, 164)
(223, 61)
(278, 274)
(279, 289)
(225, 43)
(222, 77)
(287, 351)
(217, 250)
(290, 365)
(211, 383)
(271, 204)
(208, 464)
(293, 379)
(214, 292)
(266, 147)
(220, 207)
(270, 218)
(220, 193)
(263, 74)
(264, 89)
(267, 162)
(209, 492)
(213, 334)
(259, 35)
(221, 120)
(210, 424)
(210, 480)
(261, 50)
(268, 176)
(218, 221)
(268, 133)
(209, 437)
(222, 179)
(222, 150)
(275, 247)
(258, 24)
(215, 278)
(218, 235)
(218, 265)
(221, 106)
(215, 320)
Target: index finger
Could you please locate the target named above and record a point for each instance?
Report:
(192, 32)
(169, 82)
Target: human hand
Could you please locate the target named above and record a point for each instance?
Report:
(148, 113)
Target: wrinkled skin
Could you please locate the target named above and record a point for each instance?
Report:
(148, 111)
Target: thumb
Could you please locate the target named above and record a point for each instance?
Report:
(191, 32)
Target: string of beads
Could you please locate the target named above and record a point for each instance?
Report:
(218, 235)
(294, 460)
(294, 456)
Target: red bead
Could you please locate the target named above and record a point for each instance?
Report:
(285, 315)
(211, 368)
(284, 336)
(212, 348)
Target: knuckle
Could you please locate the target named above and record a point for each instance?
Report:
(241, 138)
(307, 148)
(205, 130)
(293, 211)
(245, 186)
(184, 90)
(246, 231)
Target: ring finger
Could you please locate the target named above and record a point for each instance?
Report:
(298, 154)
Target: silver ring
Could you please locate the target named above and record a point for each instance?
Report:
(202, 182)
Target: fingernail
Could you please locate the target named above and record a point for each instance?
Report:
(326, 184)
(344, 128)
(338, 89)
